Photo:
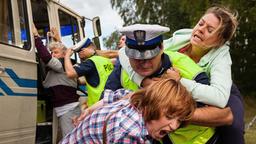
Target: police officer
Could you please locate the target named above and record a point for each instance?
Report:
(96, 70)
(144, 49)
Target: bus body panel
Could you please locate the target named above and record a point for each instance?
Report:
(19, 66)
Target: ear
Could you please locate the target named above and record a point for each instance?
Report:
(161, 46)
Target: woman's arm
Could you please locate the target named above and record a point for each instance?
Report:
(212, 116)
(218, 92)
(109, 97)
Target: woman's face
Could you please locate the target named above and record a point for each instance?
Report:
(204, 34)
(159, 128)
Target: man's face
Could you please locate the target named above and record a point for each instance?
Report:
(57, 53)
(146, 67)
(159, 128)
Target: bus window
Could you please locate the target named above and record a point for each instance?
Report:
(69, 28)
(14, 23)
(6, 28)
(41, 18)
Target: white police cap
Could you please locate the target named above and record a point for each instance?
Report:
(84, 43)
(143, 40)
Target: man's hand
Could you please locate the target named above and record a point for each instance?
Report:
(34, 30)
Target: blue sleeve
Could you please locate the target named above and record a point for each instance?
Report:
(85, 68)
(113, 83)
(202, 78)
(235, 103)
(88, 69)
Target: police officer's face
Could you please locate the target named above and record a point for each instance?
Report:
(86, 52)
(146, 67)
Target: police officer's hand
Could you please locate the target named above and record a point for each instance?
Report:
(69, 52)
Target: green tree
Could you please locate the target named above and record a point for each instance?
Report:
(177, 14)
(110, 42)
(164, 12)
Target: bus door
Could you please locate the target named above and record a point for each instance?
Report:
(40, 13)
(47, 14)
(18, 74)
(72, 31)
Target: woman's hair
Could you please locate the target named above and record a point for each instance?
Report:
(54, 45)
(228, 23)
(165, 97)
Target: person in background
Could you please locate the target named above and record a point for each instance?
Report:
(147, 113)
(63, 89)
(207, 44)
(121, 42)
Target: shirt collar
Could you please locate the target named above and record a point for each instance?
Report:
(166, 64)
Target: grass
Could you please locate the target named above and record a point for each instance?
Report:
(250, 112)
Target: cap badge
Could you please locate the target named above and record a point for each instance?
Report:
(140, 36)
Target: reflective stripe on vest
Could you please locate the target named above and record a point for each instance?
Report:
(192, 134)
(104, 67)
(126, 81)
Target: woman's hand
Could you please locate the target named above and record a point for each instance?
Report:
(55, 34)
(86, 112)
(77, 119)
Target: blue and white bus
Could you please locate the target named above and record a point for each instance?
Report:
(25, 112)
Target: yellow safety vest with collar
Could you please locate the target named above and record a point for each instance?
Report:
(191, 134)
(104, 67)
